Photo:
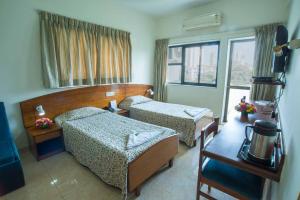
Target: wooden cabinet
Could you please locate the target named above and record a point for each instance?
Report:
(45, 142)
(123, 112)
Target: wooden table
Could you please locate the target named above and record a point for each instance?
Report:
(45, 142)
(227, 143)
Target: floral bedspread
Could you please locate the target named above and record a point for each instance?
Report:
(98, 140)
(173, 116)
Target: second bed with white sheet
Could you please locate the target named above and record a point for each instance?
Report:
(187, 121)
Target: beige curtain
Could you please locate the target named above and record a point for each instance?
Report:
(160, 69)
(79, 53)
(263, 61)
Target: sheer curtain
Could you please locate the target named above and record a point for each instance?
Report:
(263, 61)
(160, 69)
(79, 53)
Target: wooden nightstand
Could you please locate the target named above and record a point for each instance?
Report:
(123, 112)
(46, 142)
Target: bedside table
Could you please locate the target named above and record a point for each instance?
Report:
(46, 142)
(123, 112)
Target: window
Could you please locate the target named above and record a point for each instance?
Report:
(241, 62)
(175, 64)
(241, 59)
(193, 64)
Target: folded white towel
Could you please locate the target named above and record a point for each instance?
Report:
(192, 112)
(138, 138)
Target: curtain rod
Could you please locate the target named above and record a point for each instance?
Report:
(93, 23)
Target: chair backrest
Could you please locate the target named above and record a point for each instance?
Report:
(207, 132)
(4, 127)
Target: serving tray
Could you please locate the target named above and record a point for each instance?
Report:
(272, 164)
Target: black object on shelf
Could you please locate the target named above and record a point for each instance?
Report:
(263, 78)
(271, 165)
(267, 81)
(11, 172)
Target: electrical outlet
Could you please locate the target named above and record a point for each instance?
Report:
(110, 94)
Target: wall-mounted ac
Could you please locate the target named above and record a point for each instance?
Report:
(202, 21)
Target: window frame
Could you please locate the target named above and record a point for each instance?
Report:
(182, 64)
(247, 39)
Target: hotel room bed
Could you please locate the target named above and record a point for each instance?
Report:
(98, 139)
(169, 115)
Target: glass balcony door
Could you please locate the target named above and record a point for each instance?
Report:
(241, 58)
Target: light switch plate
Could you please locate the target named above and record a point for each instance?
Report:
(110, 94)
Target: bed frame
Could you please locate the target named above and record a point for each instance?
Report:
(140, 169)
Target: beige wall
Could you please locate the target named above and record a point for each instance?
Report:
(289, 186)
(239, 19)
(20, 62)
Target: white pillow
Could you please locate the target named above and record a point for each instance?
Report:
(78, 113)
(133, 100)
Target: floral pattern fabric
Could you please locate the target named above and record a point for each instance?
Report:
(173, 116)
(99, 140)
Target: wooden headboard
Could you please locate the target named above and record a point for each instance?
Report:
(60, 102)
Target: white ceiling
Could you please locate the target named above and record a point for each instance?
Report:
(162, 7)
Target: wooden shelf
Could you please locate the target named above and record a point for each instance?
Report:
(50, 147)
(38, 132)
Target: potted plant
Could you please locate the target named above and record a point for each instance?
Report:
(43, 123)
(245, 109)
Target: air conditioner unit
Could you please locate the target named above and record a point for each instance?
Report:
(202, 21)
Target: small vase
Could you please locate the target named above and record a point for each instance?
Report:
(45, 126)
(244, 117)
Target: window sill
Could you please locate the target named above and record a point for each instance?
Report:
(191, 85)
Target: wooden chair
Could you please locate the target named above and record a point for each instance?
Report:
(228, 179)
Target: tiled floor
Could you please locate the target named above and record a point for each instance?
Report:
(61, 177)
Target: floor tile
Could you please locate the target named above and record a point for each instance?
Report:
(61, 177)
